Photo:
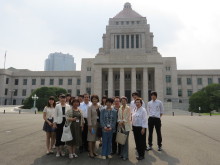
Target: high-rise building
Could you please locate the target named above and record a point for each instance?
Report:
(59, 62)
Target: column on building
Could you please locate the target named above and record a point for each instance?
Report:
(133, 80)
(122, 82)
(158, 79)
(112, 41)
(110, 82)
(145, 84)
(98, 81)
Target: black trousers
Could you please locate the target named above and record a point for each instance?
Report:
(154, 122)
(115, 146)
(59, 132)
(140, 140)
(84, 136)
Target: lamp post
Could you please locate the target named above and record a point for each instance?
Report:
(35, 98)
(12, 92)
(199, 111)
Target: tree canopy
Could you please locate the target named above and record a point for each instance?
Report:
(208, 99)
(43, 94)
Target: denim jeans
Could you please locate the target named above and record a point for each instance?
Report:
(124, 148)
(106, 142)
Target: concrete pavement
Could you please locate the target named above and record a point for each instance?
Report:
(187, 140)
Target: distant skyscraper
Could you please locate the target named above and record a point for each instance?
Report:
(59, 62)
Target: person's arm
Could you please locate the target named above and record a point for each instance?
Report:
(161, 109)
(89, 118)
(144, 121)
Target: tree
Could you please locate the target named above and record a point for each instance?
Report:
(208, 99)
(43, 94)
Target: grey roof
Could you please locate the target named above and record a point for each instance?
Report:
(127, 12)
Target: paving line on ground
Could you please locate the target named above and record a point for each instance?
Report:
(216, 140)
(30, 134)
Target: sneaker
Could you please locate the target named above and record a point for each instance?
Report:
(124, 159)
(159, 148)
(140, 158)
(149, 148)
(48, 152)
(58, 154)
(71, 156)
(51, 151)
(102, 157)
(75, 156)
(109, 156)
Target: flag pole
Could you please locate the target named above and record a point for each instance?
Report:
(5, 59)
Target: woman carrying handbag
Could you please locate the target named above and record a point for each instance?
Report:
(75, 118)
(124, 124)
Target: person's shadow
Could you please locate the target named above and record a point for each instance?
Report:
(162, 155)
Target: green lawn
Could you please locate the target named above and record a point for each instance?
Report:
(209, 113)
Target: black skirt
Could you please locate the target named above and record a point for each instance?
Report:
(47, 127)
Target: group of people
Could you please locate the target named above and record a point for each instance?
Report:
(92, 120)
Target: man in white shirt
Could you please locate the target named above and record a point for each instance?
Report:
(155, 110)
(84, 107)
(135, 95)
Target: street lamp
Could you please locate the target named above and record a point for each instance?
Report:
(12, 92)
(199, 111)
(35, 98)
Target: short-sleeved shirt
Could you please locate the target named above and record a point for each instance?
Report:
(49, 112)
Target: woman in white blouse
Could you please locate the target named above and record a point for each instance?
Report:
(124, 123)
(139, 124)
(48, 116)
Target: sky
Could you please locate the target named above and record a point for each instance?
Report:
(32, 29)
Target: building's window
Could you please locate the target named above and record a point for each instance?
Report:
(169, 91)
(132, 22)
(179, 81)
(122, 23)
(14, 101)
(132, 41)
(117, 77)
(127, 76)
(15, 92)
(149, 77)
(33, 81)
(88, 68)
(117, 41)
(122, 41)
(106, 77)
(127, 22)
(88, 90)
(168, 78)
(7, 80)
(16, 81)
(189, 81)
(88, 79)
(116, 23)
(78, 81)
(189, 92)
(51, 81)
(42, 81)
(6, 91)
(219, 80)
(180, 92)
(168, 68)
(209, 80)
(180, 101)
(5, 102)
(70, 81)
(199, 81)
(60, 81)
(24, 81)
(69, 91)
(138, 22)
(137, 41)
(138, 77)
(127, 41)
(24, 92)
(77, 92)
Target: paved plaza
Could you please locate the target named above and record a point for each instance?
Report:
(187, 140)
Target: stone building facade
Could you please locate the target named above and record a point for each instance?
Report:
(128, 61)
